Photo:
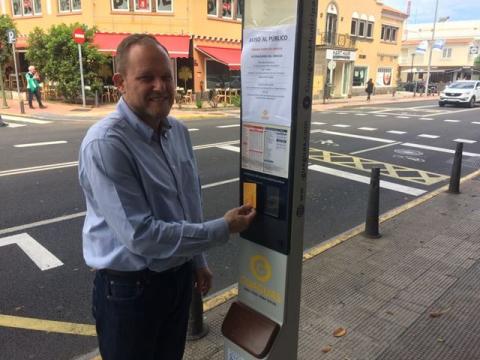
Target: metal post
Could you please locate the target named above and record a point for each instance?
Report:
(430, 50)
(454, 187)
(411, 67)
(196, 328)
(22, 108)
(2, 89)
(371, 223)
(81, 73)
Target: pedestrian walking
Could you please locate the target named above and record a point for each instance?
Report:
(33, 87)
(144, 231)
(369, 88)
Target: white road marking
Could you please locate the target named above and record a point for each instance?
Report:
(374, 148)
(341, 125)
(341, 113)
(228, 126)
(38, 168)
(381, 115)
(230, 148)
(476, 122)
(366, 180)
(396, 132)
(360, 114)
(453, 112)
(24, 119)
(439, 149)
(318, 123)
(452, 121)
(190, 130)
(40, 144)
(426, 119)
(428, 136)
(353, 136)
(13, 125)
(403, 117)
(465, 141)
(43, 258)
(208, 146)
(367, 128)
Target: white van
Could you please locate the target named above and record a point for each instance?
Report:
(461, 92)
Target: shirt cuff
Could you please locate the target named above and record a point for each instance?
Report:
(199, 261)
(218, 230)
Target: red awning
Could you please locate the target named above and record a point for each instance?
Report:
(177, 45)
(228, 56)
(21, 42)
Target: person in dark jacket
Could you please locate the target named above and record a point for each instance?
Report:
(369, 89)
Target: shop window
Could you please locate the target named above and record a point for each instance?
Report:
(362, 28)
(120, 5)
(227, 8)
(69, 5)
(164, 6)
(26, 7)
(353, 27)
(369, 29)
(447, 53)
(384, 76)
(360, 75)
(212, 7)
(240, 9)
(220, 77)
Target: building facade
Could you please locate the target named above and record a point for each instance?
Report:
(201, 35)
(455, 48)
(356, 41)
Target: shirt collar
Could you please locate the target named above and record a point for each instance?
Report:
(141, 127)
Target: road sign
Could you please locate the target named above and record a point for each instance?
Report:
(78, 35)
(332, 64)
(11, 36)
(43, 258)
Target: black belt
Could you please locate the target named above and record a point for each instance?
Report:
(144, 273)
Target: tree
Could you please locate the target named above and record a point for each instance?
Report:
(6, 24)
(55, 54)
(476, 63)
(185, 74)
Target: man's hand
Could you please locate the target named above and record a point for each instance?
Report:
(203, 280)
(240, 218)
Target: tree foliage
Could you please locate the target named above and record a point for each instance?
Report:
(185, 74)
(476, 63)
(6, 23)
(55, 55)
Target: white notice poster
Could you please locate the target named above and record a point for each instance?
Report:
(267, 74)
(266, 149)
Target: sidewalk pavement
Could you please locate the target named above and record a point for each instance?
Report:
(57, 110)
(412, 294)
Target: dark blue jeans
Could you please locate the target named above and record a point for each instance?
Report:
(142, 317)
(37, 96)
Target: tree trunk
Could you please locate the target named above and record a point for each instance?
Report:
(2, 89)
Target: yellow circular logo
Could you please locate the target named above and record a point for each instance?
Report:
(261, 268)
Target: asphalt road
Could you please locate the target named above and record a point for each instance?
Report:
(413, 142)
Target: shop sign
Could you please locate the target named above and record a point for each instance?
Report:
(341, 55)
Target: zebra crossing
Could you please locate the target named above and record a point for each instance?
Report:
(13, 121)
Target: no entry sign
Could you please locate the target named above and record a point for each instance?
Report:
(79, 35)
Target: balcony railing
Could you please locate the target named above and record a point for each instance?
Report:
(334, 40)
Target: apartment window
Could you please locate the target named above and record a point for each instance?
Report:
(353, 27)
(389, 33)
(212, 7)
(69, 5)
(239, 9)
(384, 76)
(360, 75)
(143, 5)
(369, 29)
(361, 28)
(227, 8)
(447, 53)
(164, 6)
(26, 7)
(120, 5)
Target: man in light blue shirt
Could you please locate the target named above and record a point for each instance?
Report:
(144, 231)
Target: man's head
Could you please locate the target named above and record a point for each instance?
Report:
(144, 76)
(31, 69)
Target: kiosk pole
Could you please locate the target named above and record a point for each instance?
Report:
(277, 77)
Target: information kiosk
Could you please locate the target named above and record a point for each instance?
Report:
(277, 72)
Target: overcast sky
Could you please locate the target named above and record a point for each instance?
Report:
(423, 11)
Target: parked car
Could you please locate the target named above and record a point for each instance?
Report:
(419, 87)
(466, 92)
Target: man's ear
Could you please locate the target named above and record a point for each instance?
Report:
(118, 82)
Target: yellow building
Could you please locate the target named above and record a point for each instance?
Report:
(356, 41)
(203, 35)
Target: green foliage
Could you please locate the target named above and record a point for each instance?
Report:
(476, 63)
(6, 23)
(199, 103)
(55, 55)
(185, 74)
(236, 100)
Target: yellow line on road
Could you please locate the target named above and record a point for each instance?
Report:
(47, 325)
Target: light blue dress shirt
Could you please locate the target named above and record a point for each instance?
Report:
(143, 197)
